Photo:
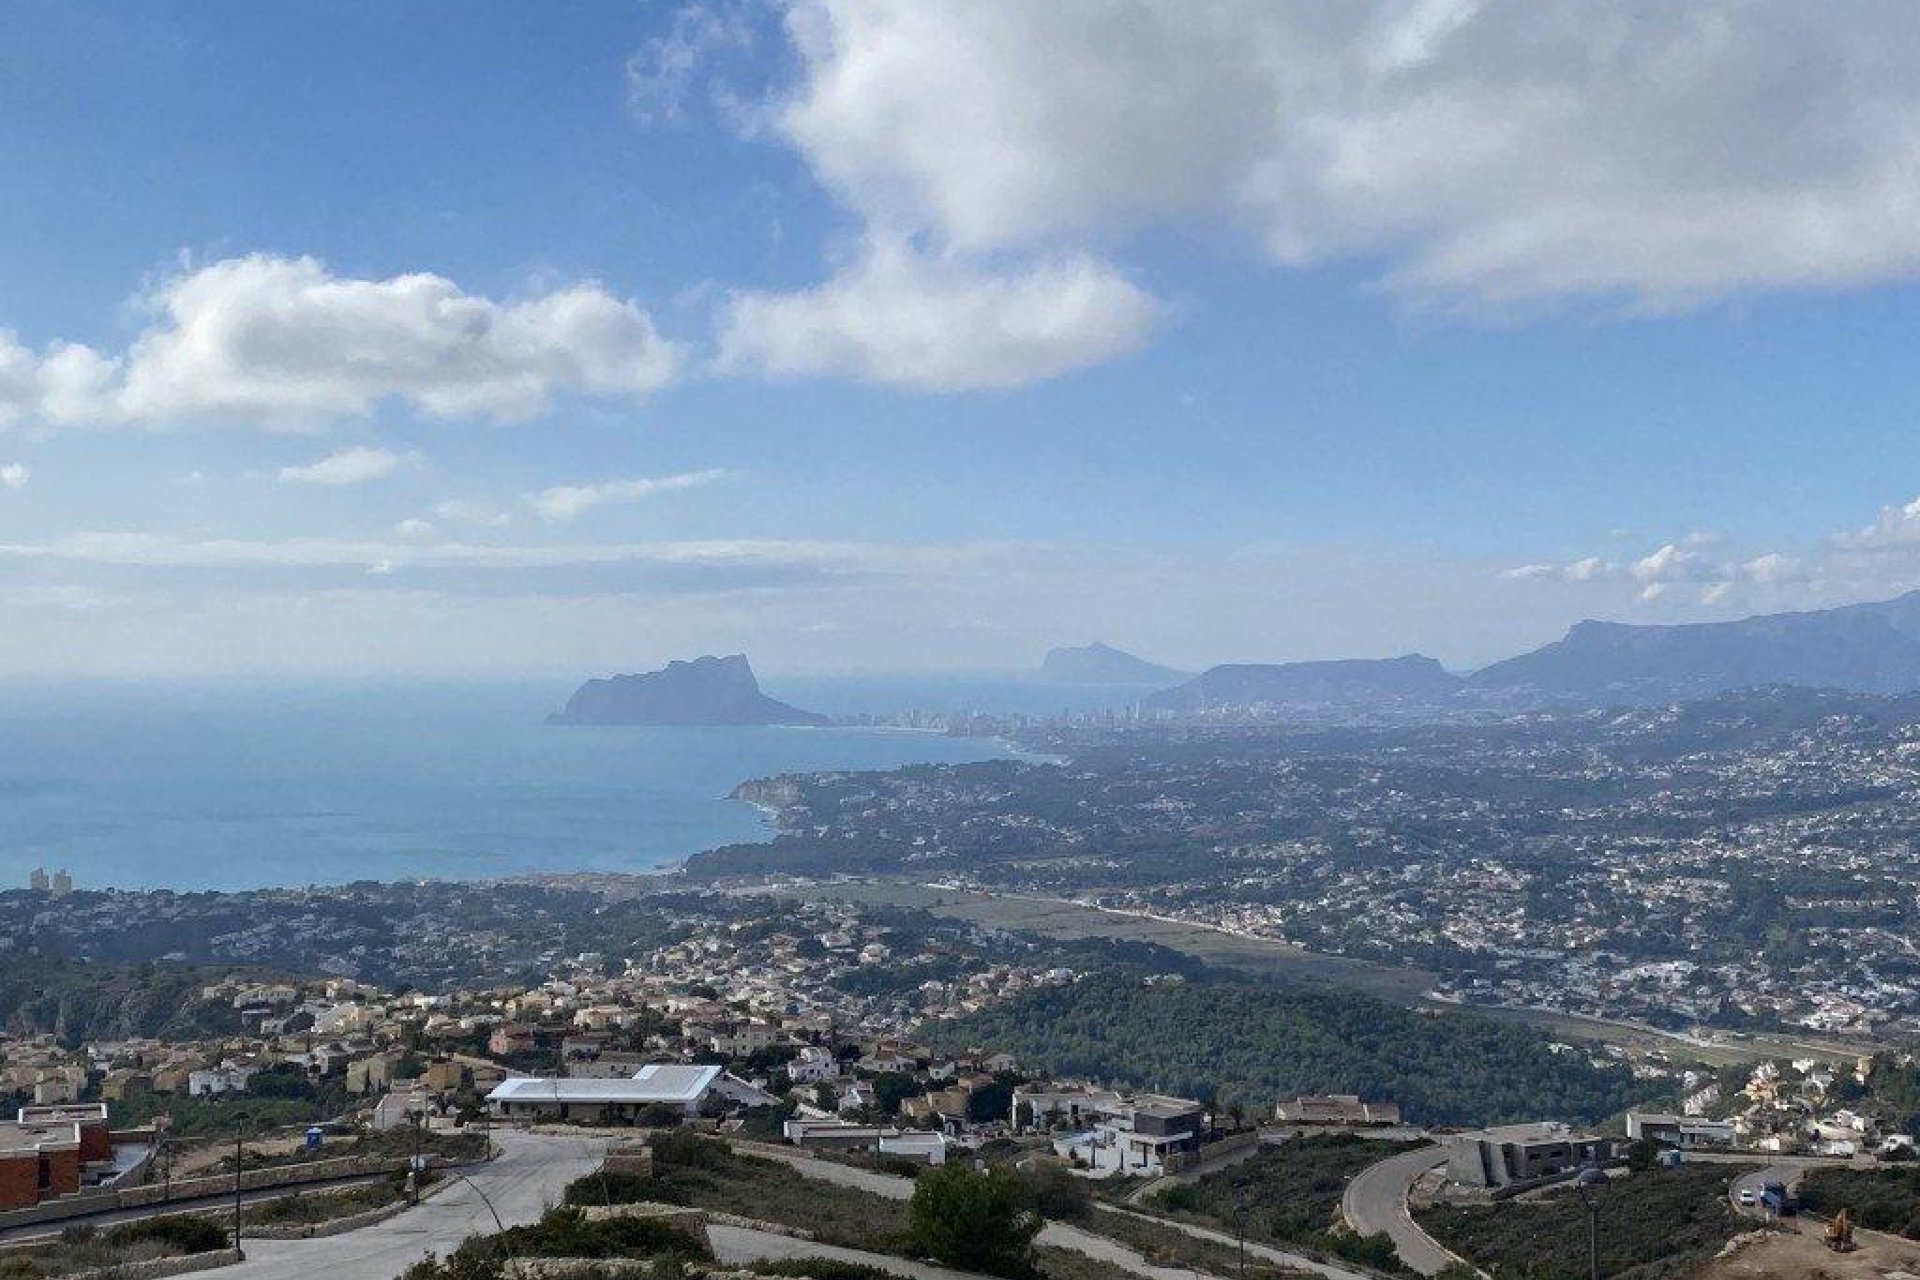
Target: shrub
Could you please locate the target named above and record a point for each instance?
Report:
(975, 1221)
(188, 1235)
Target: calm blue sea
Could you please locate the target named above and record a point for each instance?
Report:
(195, 788)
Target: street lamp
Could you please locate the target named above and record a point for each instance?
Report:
(1240, 1223)
(240, 1119)
(1591, 1177)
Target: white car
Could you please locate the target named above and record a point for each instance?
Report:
(1748, 1197)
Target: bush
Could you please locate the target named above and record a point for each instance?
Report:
(1881, 1199)
(606, 1187)
(975, 1221)
(683, 1148)
(1056, 1193)
(188, 1235)
(1178, 1197)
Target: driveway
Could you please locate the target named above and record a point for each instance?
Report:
(1376, 1201)
(522, 1183)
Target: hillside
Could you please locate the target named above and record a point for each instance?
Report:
(1351, 682)
(1865, 648)
(1257, 1044)
(78, 1001)
(705, 691)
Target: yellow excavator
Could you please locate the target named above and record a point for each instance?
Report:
(1840, 1232)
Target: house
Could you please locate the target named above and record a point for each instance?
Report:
(397, 1110)
(89, 1118)
(1051, 1107)
(38, 1162)
(687, 1089)
(743, 1038)
(612, 1064)
(813, 1065)
(1130, 1134)
(1685, 1132)
(1521, 1153)
(837, 1135)
(1343, 1109)
(228, 1077)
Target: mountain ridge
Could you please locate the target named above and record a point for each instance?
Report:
(1869, 647)
(1339, 681)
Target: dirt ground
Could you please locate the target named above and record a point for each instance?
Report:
(1802, 1255)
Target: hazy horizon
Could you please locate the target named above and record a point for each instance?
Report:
(367, 341)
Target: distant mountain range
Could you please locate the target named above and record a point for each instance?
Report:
(1098, 663)
(1864, 648)
(705, 691)
(1860, 648)
(1343, 682)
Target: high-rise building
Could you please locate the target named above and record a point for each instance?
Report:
(62, 883)
(38, 880)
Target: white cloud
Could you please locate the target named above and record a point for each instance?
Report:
(1521, 573)
(14, 475)
(665, 71)
(283, 341)
(1496, 151)
(1770, 568)
(469, 512)
(906, 318)
(349, 466)
(1586, 570)
(564, 502)
(414, 528)
(1669, 564)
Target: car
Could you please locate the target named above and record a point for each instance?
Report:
(1748, 1197)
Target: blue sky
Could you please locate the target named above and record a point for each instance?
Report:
(509, 339)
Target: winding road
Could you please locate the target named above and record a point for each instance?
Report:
(1376, 1201)
(526, 1178)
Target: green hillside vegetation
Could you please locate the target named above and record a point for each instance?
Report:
(1653, 1224)
(1291, 1192)
(1236, 1043)
(1881, 1199)
(78, 1001)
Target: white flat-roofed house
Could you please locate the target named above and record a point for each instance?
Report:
(814, 1065)
(687, 1089)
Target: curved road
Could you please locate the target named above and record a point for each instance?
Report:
(526, 1178)
(1376, 1201)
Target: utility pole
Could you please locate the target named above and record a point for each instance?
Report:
(1240, 1224)
(1591, 1177)
(239, 1132)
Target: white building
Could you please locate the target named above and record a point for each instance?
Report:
(688, 1089)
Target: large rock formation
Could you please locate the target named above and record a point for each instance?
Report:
(705, 691)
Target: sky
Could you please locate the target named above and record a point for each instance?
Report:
(497, 340)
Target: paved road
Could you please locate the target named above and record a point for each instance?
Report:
(1376, 1201)
(739, 1245)
(1280, 1257)
(890, 1185)
(522, 1183)
(1787, 1170)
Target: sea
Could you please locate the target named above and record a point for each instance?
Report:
(235, 786)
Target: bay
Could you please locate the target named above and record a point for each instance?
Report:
(225, 787)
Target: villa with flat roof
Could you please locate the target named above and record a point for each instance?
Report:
(689, 1089)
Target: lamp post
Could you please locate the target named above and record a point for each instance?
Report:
(239, 1132)
(1240, 1223)
(1591, 1177)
